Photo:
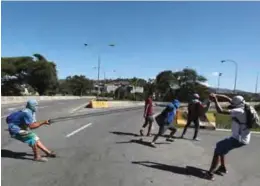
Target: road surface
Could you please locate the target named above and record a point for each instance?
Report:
(105, 151)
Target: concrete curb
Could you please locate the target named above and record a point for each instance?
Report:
(20, 99)
(229, 130)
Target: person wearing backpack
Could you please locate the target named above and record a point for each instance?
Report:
(165, 119)
(19, 125)
(243, 118)
(195, 110)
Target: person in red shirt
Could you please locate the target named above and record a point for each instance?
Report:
(148, 115)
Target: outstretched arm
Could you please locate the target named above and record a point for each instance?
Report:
(38, 124)
(226, 98)
(218, 107)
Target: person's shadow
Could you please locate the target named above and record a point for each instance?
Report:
(188, 170)
(15, 155)
(124, 133)
(141, 142)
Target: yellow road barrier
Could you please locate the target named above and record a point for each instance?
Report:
(99, 104)
(208, 121)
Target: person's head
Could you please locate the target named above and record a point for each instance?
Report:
(176, 103)
(150, 96)
(237, 102)
(32, 105)
(196, 96)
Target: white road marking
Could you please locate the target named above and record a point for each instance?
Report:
(4, 116)
(77, 108)
(10, 109)
(76, 131)
(43, 107)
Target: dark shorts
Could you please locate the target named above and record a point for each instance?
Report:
(149, 119)
(226, 145)
(164, 128)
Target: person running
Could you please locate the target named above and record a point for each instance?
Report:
(19, 125)
(165, 121)
(148, 115)
(240, 132)
(195, 110)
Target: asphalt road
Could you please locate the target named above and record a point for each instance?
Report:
(104, 150)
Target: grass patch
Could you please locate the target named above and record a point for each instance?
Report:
(224, 122)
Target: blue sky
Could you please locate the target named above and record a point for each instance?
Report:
(149, 37)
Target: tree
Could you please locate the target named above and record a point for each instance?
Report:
(164, 81)
(43, 76)
(190, 82)
(78, 85)
(180, 84)
(40, 74)
(14, 74)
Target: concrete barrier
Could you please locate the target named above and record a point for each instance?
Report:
(113, 104)
(20, 99)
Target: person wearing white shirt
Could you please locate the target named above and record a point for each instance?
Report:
(240, 133)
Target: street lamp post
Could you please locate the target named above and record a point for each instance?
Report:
(256, 84)
(219, 75)
(98, 67)
(236, 67)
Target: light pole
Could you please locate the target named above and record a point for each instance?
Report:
(219, 75)
(236, 67)
(98, 67)
(256, 84)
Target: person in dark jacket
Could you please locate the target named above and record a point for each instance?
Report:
(195, 110)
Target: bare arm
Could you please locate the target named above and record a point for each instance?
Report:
(38, 124)
(226, 98)
(218, 107)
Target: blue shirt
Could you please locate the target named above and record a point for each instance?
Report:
(20, 120)
(169, 113)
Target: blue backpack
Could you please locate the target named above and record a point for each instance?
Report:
(11, 117)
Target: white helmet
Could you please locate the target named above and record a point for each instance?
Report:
(196, 96)
(237, 101)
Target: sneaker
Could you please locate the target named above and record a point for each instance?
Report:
(196, 139)
(51, 155)
(221, 170)
(141, 132)
(149, 135)
(209, 176)
(152, 143)
(170, 139)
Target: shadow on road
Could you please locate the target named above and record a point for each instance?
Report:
(16, 155)
(188, 170)
(141, 142)
(124, 133)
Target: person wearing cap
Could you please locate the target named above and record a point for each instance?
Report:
(165, 121)
(148, 115)
(195, 110)
(19, 125)
(240, 133)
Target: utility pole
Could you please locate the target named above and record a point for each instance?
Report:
(256, 84)
(219, 75)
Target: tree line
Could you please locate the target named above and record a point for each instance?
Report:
(39, 75)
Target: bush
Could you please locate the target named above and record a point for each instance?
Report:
(257, 108)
